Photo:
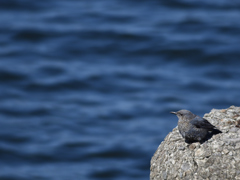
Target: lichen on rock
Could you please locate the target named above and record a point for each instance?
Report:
(217, 158)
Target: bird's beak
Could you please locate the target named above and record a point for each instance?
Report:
(172, 112)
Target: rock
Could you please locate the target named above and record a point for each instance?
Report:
(217, 158)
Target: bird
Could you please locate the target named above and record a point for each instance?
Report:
(194, 128)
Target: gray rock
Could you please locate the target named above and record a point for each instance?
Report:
(217, 158)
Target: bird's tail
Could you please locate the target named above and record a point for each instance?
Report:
(216, 131)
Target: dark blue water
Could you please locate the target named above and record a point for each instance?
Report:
(86, 86)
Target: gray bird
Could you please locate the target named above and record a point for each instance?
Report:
(194, 128)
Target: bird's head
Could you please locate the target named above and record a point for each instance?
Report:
(184, 114)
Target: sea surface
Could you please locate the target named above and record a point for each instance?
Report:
(86, 87)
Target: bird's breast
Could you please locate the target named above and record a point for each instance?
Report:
(183, 128)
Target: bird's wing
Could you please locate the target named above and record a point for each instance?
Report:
(200, 122)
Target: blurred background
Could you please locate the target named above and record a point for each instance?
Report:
(86, 87)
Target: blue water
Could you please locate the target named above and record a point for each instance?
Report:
(87, 86)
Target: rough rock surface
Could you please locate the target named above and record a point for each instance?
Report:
(217, 158)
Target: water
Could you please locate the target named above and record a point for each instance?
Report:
(86, 87)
